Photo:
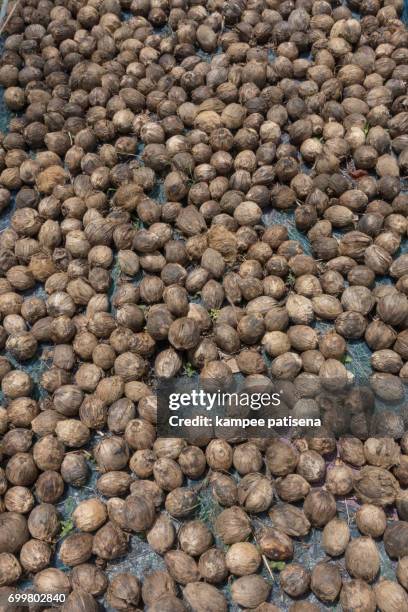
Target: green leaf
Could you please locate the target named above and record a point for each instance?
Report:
(214, 314)
(277, 565)
(347, 359)
(66, 527)
(189, 370)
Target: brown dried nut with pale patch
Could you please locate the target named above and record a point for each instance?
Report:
(332, 345)
(181, 567)
(109, 542)
(376, 486)
(21, 470)
(242, 559)
(79, 600)
(357, 593)
(247, 458)
(255, 492)
(311, 466)
(339, 480)
(124, 591)
(18, 499)
(212, 566)
(17, 440)
(390, 596)
(49, 487)
(35, 555)
(274, 544)
(52, 580)
(276, 343)
(295, 580)
(167, 473)
(89, 515)
(72, 433)
(43, 522)
(362, 558)
(169, 448)
(224, 489)
(216, 375)
(320, 507)
(48, 453)
(250, 591)
(326, 581)
(387, 387)
(336, 536)
(194, 538)
(111, 453)
(396, 539)
(351, 450)
(181, 502)
(139, 434)
(232, 525)
(76, 549)
(156, 585)
(16, 384)
(192, 462)
(162, 535)
(74, 469)
(87, 577)
(142, 462)
(139, 513)
(292, 488)
(371, 520)
(113, 484)
(322, 444)
(149, 488)
(13, 532)
(299, 309)
(289, 519)
(167, 603)
(10, 569)
(281, 458)
(382, 452)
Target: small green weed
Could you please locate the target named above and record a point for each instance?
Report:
(189, 370)
(66, 527)
(277, 566)
(137, 223)
(214, 312)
